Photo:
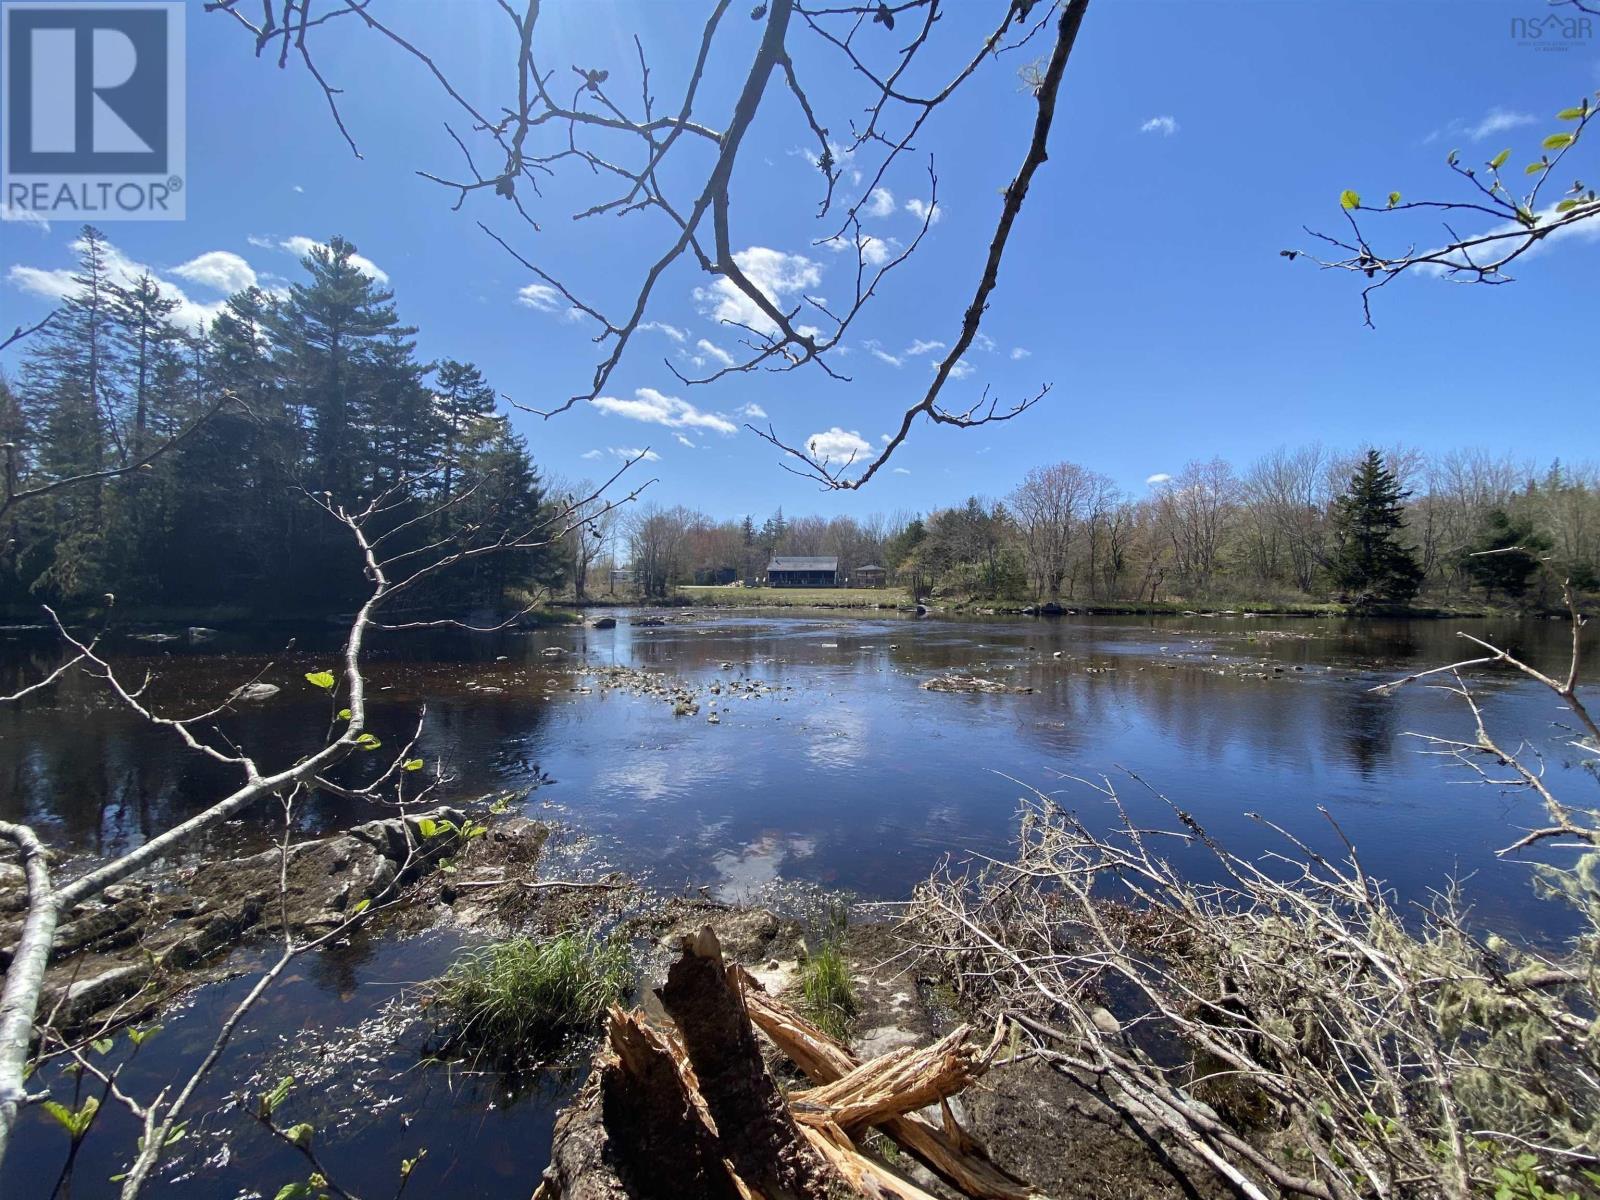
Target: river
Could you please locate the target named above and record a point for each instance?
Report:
(841, 770)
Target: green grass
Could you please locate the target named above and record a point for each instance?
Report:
(816, 597)
(825, 986)
(516, 999)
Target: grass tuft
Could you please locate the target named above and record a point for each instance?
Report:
(825, 976)
(517, 999)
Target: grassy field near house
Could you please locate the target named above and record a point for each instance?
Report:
(745, 597)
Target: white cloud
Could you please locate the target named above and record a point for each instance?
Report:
(300, 246)
(901, 471)
(754, 411)
(838, 445)
(1498, 120)
(592, 454)
(874, 251)
(219, 269)
(777, 275)
(920, 209)
(26, 216)
(715, 351)
(672, 331)
(880, 203)
(919, 346)
(264, 243)
(625, 452)
(1165, 126)
(960, 371)
(1577, 231)
(655, 408)
(1158, 479)
(882, 355)
(540, 296)
(983, 342)
(298, 188)
(56, 284)
(683, 441)
(1018, 353)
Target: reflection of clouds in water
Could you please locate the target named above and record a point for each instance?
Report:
(746, 871)
(647, 777)
(838, 738)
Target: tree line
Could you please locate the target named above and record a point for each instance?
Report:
(1301, 524)
(313, 392)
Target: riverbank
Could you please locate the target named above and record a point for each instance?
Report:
(877, 599)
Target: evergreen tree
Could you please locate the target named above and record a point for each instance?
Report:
(1505, 555)
(1369, 563)
(464, 398)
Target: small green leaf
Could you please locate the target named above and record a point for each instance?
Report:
(1499, 160)
(1557, 141)
(1394, 198)
(293, 1191)
(1349, 199)
(344, 714)
(321, 679)
(361, 907)
(140, 1036)
(1535, 168)
(1566, 206)
(299, 1134)
(412, 764)
(75, 1121)
(427, 827)
(102, 1045)
(368, 742)
(276, 1096)
(1573, 114)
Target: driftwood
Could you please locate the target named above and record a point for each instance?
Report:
(695, 1112)
(949, 1151)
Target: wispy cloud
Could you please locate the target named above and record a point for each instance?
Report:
(300, 246)
(1158, 479)
(880, 203)
(1498, 120)
(754, 411)
(901, 471)
(920, 346)
(1018, 353)
(622, 452)
(656, 408)
(920, 209)
(683, 441)
(1166, 126)
(671, 331)
(882, 355)
(711, 350)
(983, 341)
(57, 283)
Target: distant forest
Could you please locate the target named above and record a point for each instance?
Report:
(1306, 524)
(317, 390)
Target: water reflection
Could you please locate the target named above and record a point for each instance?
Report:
(849, 774)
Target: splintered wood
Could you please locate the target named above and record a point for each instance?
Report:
(694, 1111)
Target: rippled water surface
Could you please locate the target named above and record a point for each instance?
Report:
(840, 769)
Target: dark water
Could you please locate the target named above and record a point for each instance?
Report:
(848, 775)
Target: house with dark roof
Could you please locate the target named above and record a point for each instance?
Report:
(803, 571)
(869, 576)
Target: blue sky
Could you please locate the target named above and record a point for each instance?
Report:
(1144, 283)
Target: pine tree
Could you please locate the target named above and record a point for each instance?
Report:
(1369, 563)
(1495, 565)
(464, 398)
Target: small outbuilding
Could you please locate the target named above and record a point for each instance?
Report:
(869, 576)
(807, 571)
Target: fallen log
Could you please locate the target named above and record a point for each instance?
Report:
(757, 1131)
(699, 1115)
(899, 1082)
(949, 1152)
